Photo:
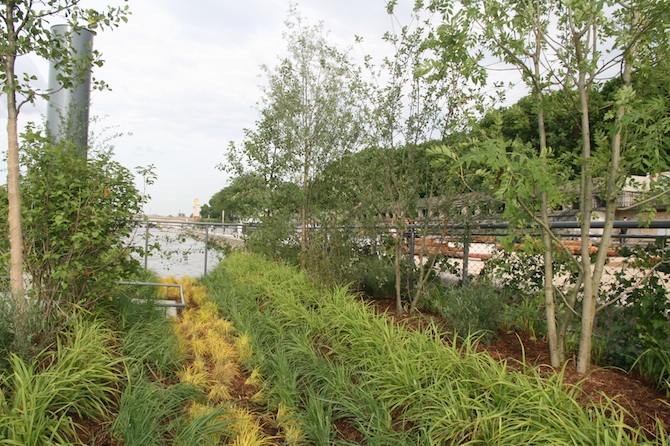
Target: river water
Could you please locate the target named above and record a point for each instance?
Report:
(174, 253)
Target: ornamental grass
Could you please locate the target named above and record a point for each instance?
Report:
(78, 379)
(349, 376)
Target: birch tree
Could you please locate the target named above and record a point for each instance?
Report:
(589, 39)
(308, 116)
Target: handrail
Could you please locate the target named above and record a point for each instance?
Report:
(180, 304)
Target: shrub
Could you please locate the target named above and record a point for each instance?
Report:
(638, 329)
(275, 238)
(77, 215)
(525, 315)
(467, 310)
(375, 277)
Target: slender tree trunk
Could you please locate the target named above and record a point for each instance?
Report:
(303, 213)
(586, 198)
(549, 297)
(567, 317)
(13, 172)
(399, 310)
(397, 262)
(615, 160)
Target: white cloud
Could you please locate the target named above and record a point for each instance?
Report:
(185, 80)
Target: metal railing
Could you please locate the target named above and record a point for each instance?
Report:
(471, 246)
(163, 302)
(203, 231)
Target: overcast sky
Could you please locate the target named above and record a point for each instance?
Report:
(185, 80)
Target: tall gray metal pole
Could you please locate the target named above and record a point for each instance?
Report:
(68, 108)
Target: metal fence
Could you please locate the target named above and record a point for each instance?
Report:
(470, 247)
(174, 247)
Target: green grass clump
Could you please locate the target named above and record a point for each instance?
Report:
(153, 414)
(333, 363)
(39, 400)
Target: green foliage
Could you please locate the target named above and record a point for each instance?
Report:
(516, 173)
(634, 333)
(152, 414)
(309, 116)
(246, 197)
(375, 277)
(468, 310)
(654, 363)
(325, 356)
(39, 400)
(32, 23)
(639, 326)
(149, 339)
(26, 335)
(77, 218)
(516, 272)
(275, 238)
(525, 316)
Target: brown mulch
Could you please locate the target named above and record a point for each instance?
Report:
(645, 403)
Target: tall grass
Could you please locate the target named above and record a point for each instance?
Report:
(326, 358)
(654, 364)
(79, 378)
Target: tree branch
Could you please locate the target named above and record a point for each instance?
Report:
(632, 287)
(551, 233)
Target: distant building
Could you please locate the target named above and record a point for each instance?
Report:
(196, 209)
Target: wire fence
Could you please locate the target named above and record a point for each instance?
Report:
(466, 252)
(179, 248)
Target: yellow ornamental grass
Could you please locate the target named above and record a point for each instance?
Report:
(215, 352)
(198, 347)
(164, 292)
(191, 315)
(221, 350)
(255, 380)
(293, 433)
(209, 313)
(243, 347)
(196, 410)
(193, 376)
(250, 432)
(199, 365)
(218, 393)
(223, 327)
(225, 374)
(194, 295)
